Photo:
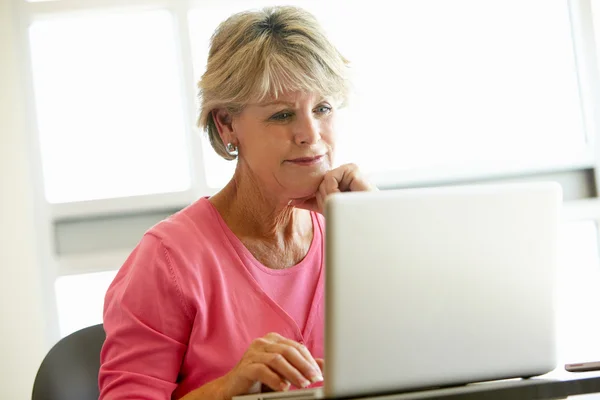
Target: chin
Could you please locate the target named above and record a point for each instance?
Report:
(305, 187)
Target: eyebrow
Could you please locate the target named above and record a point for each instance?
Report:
(276, 103)
(281, 102)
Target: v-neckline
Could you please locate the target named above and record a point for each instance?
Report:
(246, 255)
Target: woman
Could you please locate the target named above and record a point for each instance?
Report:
(227, 295)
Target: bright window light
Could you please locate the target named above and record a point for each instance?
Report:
(439, 83)
(578, 294)
(109, 106)
(80, 300)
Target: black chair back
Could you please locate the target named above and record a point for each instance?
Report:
(70, 369)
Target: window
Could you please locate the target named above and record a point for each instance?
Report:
(109, 106)
(440, 87)
(445, 86)
(80, 299)
(578, 294)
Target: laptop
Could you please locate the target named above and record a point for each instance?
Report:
(437, 287)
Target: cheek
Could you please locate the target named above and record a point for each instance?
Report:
(252, 136)
(264, 148)
(328, 132)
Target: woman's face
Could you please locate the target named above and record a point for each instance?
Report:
(287, 144)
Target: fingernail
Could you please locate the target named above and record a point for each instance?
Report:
(316, 378)
(304, 383)
(285, 386)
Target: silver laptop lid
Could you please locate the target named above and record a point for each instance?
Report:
(429, 287)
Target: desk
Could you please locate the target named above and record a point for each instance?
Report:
(559, 385)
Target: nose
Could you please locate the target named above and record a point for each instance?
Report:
(307, 130)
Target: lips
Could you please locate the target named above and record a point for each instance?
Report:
(306, 160)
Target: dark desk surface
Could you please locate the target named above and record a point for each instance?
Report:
(556, 385)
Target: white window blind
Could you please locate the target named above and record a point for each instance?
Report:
(461, 84)
(80, 300)
(109, 105)
(578, 294)
(440, 87)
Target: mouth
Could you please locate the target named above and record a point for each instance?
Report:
(306, 161)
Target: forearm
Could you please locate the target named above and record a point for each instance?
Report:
(214, 390)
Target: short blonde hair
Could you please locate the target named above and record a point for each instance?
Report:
(256, 54)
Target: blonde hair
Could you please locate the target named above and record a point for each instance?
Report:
(259, 54)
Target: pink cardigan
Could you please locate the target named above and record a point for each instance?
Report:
(184, 308)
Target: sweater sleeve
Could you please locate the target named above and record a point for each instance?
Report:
(147, 324)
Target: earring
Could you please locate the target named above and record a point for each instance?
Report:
(232, 149)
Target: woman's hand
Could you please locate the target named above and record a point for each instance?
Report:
(346, 178)
(273, 361)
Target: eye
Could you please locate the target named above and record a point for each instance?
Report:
(323, 109)
(282, 116)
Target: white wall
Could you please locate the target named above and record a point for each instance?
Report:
(22, 327)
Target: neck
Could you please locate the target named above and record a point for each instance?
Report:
(250, 211)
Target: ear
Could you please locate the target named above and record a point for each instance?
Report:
(224, 123)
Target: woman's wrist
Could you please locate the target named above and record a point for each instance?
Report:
(213, 390)
(221, 389)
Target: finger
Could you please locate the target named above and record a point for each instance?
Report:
(272, 337)
(299, 347)
(352, 180)
(331, 183)
(321, 364)
(343, 177)
(260, 372)
(299, 356)
(267, 389)
(349, 178)
(328, 186)
(279, 364)
(317, 202)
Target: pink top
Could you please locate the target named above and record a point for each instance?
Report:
(190, 298)
(292, 288)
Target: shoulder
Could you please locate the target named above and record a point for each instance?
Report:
(193, 239)
(196, 226)
(183, 244)
(178, 255)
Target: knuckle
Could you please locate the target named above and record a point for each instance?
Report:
(248, 355)
(330, 175)
(260, 342)
(298, 346)
(289, 352)
(301, 348)
(273, 336)
(276, 358)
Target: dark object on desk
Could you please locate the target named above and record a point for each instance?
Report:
(583, 367)
(70, 369)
